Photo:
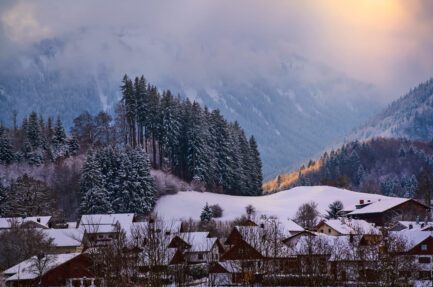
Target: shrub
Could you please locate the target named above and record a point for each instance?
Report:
(216, 210)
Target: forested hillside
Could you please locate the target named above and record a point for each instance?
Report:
(273, 102)
(105, 164)
(410, 116)
(393, 167)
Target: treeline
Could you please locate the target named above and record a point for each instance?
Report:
(181, 137)
(36, 141)
(393, 167)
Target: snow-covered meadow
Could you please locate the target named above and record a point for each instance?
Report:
(284, 204)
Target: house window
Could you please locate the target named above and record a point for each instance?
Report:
(321, 230)
(329, 230)
(424, 247)
(426, 275)
(424, 260)
(200, 256)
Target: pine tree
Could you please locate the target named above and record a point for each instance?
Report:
(223, 161)
(34, 133)
(170, 127)
(196, 154)
(73, 146)
(334, 209)
(130, 102)
(95, 201)
(136, 193)
(94, 196)
(3, 199)
(206, 214)
(6, 150)
(142, 99)
(256, 173)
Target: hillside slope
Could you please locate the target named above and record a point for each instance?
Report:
(410, 116)
(284, 204)
(394, 167)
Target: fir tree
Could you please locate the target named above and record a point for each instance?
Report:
(73, 146)
(94, 196)
(34, 134)
(3, 199)
(136, 193)
(6, 150)
(171, 127)
(334, 209)
(130, 103)
(95, 201)
(59, 137)
(206, 214)
(256, 172)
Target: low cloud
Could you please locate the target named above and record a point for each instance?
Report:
(198, 43)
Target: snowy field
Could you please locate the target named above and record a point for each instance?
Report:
(188, 204)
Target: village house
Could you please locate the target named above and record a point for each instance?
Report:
(388, 211)
(66, 240)
(255, 252)
(196, 247)
(345, 226)
(69, 270)
(420, 245)
(102, 229)
(31, 221)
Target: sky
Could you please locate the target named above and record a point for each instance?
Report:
(387, 43)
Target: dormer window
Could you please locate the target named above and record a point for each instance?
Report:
(424, 247)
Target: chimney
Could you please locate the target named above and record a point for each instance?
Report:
(417, 220)
(361, 201)
(426, 221)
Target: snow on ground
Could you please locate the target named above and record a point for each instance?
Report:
(284, 204)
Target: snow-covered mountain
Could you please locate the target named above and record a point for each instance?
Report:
(284, 204)
(294, 107)
(410, 116)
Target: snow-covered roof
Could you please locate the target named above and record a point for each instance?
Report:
(106, 223)
(6, 222)
(412, 238)
(292, 226)
(346, 226)
(26, 270)
(65, 237)
(199, 241)
(124, 219)
(414, 226)
(380, 206)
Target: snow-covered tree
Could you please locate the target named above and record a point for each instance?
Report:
(6, 150)
(206, 214)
